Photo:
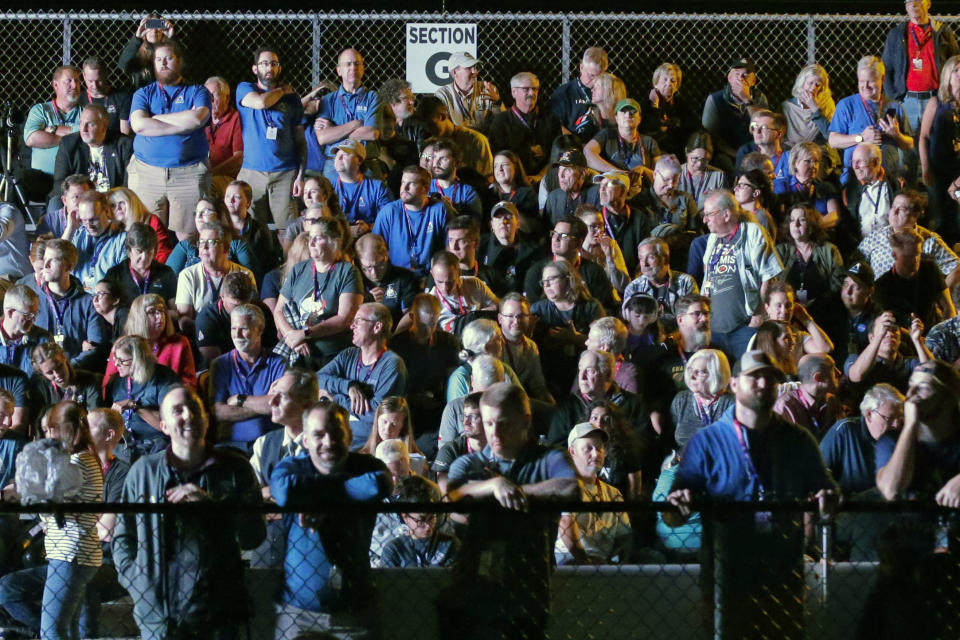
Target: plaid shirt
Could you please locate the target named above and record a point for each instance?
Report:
(876, 248)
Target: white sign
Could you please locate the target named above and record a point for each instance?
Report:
(429, 46)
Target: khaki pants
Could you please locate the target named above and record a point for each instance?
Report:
(271, 195)
(171, 193)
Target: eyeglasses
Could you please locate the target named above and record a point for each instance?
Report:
(560, 234)
(372, 267)
(549, 280)
(761, 127)
(891, 419)
(307, 221)
(526, 89)
(707, 214)
(29, 317)
(100, 294)
(122, 362)
(421, 519)
(696, 159)
(156, 311)
(696, 314)
(359, 318)
(744, 185)
(207, 244)
(518, 316)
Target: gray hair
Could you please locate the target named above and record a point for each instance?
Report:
(251, 312)
(523, 75)
(879, 394)
(872, 64)
(611, 332)
(22, 295)
(605, 360)
(668, 161)
(476, 336)
(486, 370)
(718, 369)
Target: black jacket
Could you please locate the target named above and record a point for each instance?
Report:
(895, 55)
(73, 156)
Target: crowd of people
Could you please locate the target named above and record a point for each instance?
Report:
(240, 293)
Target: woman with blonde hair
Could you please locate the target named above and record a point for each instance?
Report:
(607, 91)
(149, 318)
(135, 391)
(391, 420)
(804, 184)
(128, 209)
(811, 108)
(667, 117)
(706, 398)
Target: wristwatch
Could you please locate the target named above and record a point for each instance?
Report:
(858, 138)
(306, 332)
(241, 398)
(51, 128)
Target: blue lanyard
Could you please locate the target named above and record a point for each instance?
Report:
(348, 205)
(57, 310)
(752, 474)
(169, 101)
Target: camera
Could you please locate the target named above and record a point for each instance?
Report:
(156, 23)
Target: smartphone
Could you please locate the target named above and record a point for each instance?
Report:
(156, 23)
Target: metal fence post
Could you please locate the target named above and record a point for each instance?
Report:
(565, 50)
(811, 40)
(315, 52)
(67, 39)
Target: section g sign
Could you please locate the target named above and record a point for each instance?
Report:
(429, 46)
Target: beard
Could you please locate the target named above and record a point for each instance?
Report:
(700, 339)
(168, 76)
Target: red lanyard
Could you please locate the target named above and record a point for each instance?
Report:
(318, 291)
(169, 101)
(455, 186)
(752, 474)
(697, 189)
(516, 112)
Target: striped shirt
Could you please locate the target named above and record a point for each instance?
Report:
(77, 539)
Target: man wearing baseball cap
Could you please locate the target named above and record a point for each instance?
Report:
(726, 113)
(752, 454)
(623, 149)
(573, 190)
(849, 322)
(592, 537)
(360, 197)
(468, 101)
(505, 253)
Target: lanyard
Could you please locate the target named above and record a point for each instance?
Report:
(634, 148)
(814, 420)
(446, 305)
(751, 470)
(169, 101)
(606, 223)
(464, 110)
(918, 43)
(705, 412)
(697, 189)
(59, 311)
(209, 279)
(373, 365)
(99, 245)
(414, 235)
(318, 291)
(348, 205)
(241, 376)
(799, 187)
(516, 112)
(718, 250)
(10, 346)
(873, 115)
(874, 203)
(130, 387)
(455, 186)
(146, 281)
(350, 113)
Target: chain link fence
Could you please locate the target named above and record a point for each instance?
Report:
(548, 44)
(765, 570)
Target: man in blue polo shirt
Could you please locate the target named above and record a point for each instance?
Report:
(414, 226)
(67, 311)
(360, 197)
(869, 116)
(275, 151)
(170, 169)
(100, 243)
(241, 378)
(349, 112)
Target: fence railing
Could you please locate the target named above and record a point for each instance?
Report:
(549, 44)
(759, 567)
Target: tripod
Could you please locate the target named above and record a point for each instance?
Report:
(8, 181)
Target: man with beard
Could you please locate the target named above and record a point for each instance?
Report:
(360, 197)
(393, 287)
(169, 170)
(240, 380)
(446, 184)
(752, 454)
(275, 151)
(414, 226)
(693, 334)
(521, 352)
(48, 122)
